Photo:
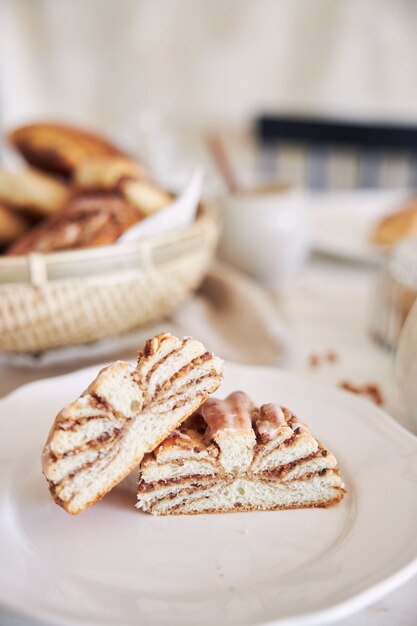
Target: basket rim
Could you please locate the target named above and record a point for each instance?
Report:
(19, 269)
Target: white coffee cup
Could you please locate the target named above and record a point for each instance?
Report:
(266, 234)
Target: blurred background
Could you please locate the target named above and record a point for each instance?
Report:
(102, 62)
(313, 97)
(155, 74)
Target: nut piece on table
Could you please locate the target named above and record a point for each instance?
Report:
(31, 192)
(59, 148)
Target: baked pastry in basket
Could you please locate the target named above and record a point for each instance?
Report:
(59, 148)
(146, 196)
(125, 175)
(31, 192)
(107, 172)
(396, 226)
(12, 225)
(126, 411)
(234, 456)
(89, 219)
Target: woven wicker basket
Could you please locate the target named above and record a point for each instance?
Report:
(60, 299)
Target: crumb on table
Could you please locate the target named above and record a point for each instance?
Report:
(314, 360)
(371, 390)
(331, 356)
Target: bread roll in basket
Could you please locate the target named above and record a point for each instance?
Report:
(78, 296)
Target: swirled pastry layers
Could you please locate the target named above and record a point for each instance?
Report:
(234, 456)
(125, 412)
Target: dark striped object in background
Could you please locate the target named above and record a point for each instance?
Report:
(336, 154)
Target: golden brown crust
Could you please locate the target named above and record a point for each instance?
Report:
(145, 195)
(181, 439)
(59, 148)
(152, 345)
(31, 192)
(396, 226)
(89, 219)
(107, 172)
(12, 225)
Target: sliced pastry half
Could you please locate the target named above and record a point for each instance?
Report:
(125, 412)
(232, 455)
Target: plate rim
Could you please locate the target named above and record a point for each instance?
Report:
(331, 613)
(327, 387)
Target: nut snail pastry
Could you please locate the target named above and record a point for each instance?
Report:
(231, 456)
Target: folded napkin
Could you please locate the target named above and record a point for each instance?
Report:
(236, 318)
(230, 313)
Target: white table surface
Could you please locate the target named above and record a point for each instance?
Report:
(332, 310)
(329, 310)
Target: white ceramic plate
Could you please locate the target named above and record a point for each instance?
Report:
(342, 223)
(114, 565)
